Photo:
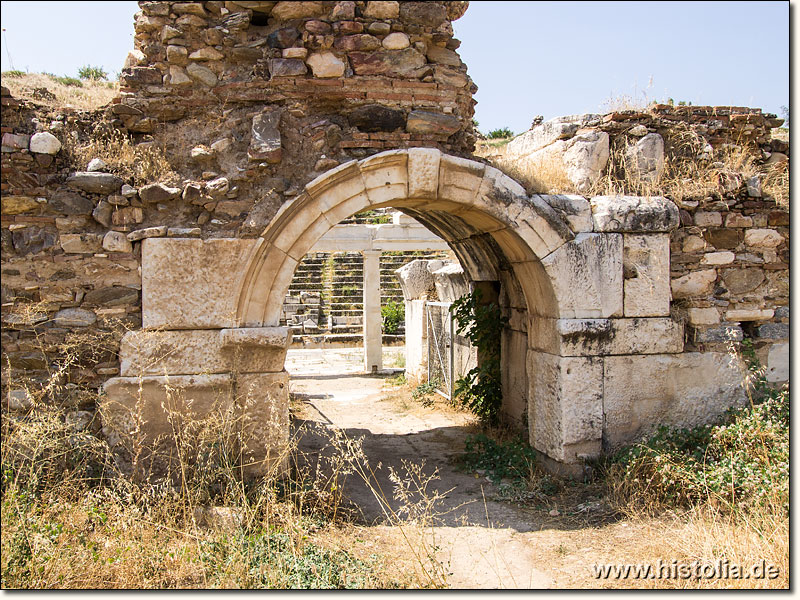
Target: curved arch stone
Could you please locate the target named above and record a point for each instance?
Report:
(462, 198)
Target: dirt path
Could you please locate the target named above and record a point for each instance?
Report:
(481, 542)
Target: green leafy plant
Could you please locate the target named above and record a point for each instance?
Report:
(503, 132)
(514, 459)
(90, 72)
(480, 389)
(394, 315)
(14, 73)
(424, 392)
(65, 80)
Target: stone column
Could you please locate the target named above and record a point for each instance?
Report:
(373, 339)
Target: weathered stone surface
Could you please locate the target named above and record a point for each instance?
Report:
(727, 332)
(598, 337)
(31, 240)
(147, 232)
(429, 14)
(703, 218)
(45, 143)
(74, 317)
(202, 74)
(763, 238)
(429, 123)
(283, 38)
(396, 41)
(357, 43)
(382, 10)
(206, 53)
(115, 241)
(325, 65)
(749, 314)
(265, 138)
(681, 390)
(15, 141)
(375, 117)
(15, 205)
(443, 56)
(265, 421)
(70, 203)
(258, 350)
(773, 331)
(741, 281)
(565, 406)
(416, 279)
(343, 10)
(697, 283)
(192, 283)
(19, 400)
(778, 363)
(645, 263)
(128, 215)
(718, 258)
(575, 210)
(81, 243)
(287, 67)
(95, 183)
(586, 275)
(634, 214)
(703, 316)
(102, 213)
(395, 63)
(645, 158)
(723, 239)
(177, 55)
(96, 164)
(158, 192)
(286, 11)
(584, 157)
(111, 296)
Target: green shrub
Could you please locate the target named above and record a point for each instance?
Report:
(14, 73)
(503, 132)
(512, 460)
(90, 72)
(394, 315)
(424, 392)
(64, 80)
(480, 390)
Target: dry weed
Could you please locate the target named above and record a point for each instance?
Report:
(49, 91)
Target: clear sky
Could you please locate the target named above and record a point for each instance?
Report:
(527, 58)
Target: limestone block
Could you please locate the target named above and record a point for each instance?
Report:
(423, 172)
(385, 176)
(44, 143)
(286, 11)
(74, 317)
(189, 352)
(396, 41)
(15, 205)
(95, 183)
(81, 243)
(263, 409)
(202, 74)
(704, 218)
(774, 331)
(147, 232)
(192, 283)
(575, 209)
(450, 280)
(645, 158)
(718, 258)
(565, 405)
(726, 332)
(597, 337)
(416, 280)
(778, 363)
(679, 390)
(389, 63)
(546, 133)
(207, 53)
(514, 376)
(585, 157)
(147, 411)
(763, 238)
(696, 283)
(158, 192)
(646, 266)
(382, 10)
(634, 214)
(586, 275)
(703, 316)
(459, 179)
(746, 314)
(325, 65)
(741, 281)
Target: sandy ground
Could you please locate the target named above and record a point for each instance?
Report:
(477, 540)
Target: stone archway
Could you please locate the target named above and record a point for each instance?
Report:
(585, 283)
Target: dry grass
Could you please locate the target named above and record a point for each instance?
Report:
(49, 91)
(143, 163)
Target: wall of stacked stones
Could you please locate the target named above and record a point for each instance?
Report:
(729, 258)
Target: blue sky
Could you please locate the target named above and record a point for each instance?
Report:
(527, 58)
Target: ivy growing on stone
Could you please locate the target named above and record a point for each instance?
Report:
(480, 389)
